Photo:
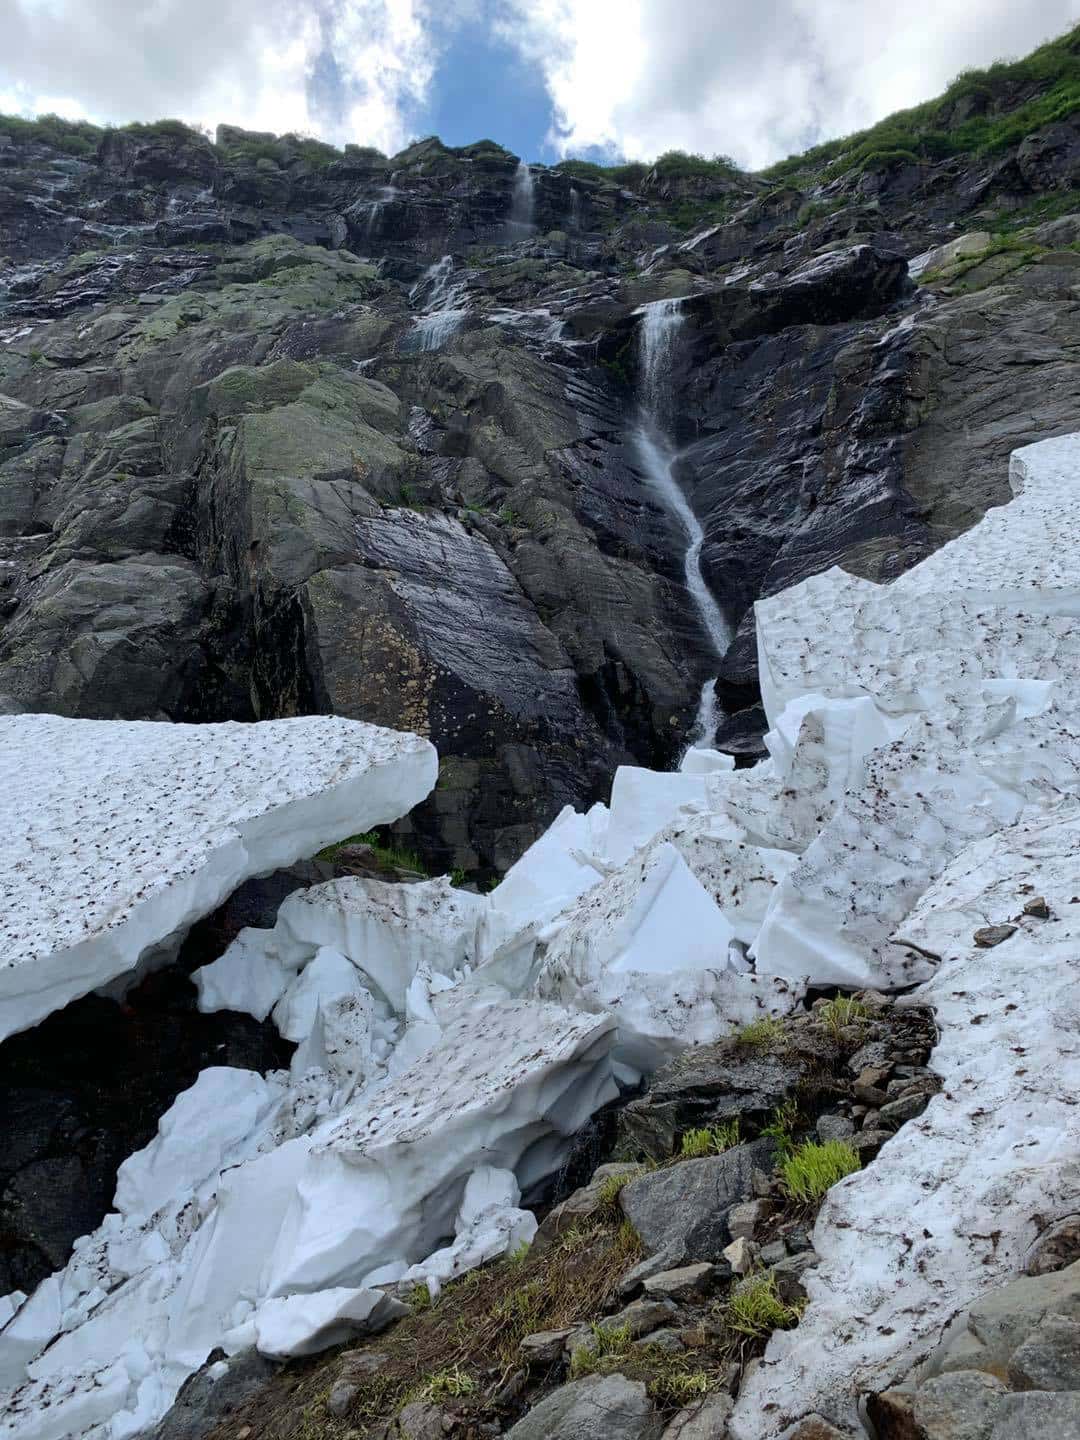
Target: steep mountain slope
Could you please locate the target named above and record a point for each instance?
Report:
(285, 430)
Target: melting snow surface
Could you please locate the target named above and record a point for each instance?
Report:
(923, 781)
(118, 834)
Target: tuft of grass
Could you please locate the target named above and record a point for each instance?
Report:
(608, 1200)
(395, 857)
(710, 1140)
(457, 877)
(754, 1308)
(760, 1034)
(450, 1384)
(841, 1011)
(420, 1299)
(782, 1125)
(676, 1385)
(609, 1342)
(814, 1168)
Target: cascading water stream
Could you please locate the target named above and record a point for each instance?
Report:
(443, 310)
(658, 336)
(523, 203)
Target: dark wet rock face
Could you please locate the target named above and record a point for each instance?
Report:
(285, 430)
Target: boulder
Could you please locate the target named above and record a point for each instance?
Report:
(960, 1406)
(607, 1407)
(681, 1213)
(684, 1285)
(1037, 1415)
(704, 1421)
(212, 1394)
(1003, 1319)
(1049, 1359)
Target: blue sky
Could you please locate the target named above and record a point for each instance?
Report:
(756, 79)
(484, 88)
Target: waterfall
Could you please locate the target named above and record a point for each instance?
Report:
(523, 202)
(375, 209)
(575, 208)
(658, 338)
(443, 310)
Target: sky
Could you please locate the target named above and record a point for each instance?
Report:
(754, 79)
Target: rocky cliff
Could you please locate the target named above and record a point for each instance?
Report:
(286, 430)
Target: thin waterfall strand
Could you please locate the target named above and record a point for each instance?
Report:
(658, 338)
(523, 202)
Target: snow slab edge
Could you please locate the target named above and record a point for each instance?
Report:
(117, 834)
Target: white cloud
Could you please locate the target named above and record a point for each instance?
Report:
(752, 78)
(755, 78)
(345, 69)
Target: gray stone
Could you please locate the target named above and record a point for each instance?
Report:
(906, 1108)
(681, 1212)
(600, 1407)
(789, 1273)
(420, 1421)
(834, 1127)
(641, 1317)
(705, 1421)
(741, 1255)
(1037, 908)
(203, 1403)
(869, 1142)
(773, 1253)
(964, 1351)
(1049, 1359)
(1056, 1247)
(991, 935)
(1037, 1415)
(544, 1347)
(960, 1406)
(1005, 1318)
(666, 1340)
(707, 1084)
(869, 1086)
(342, 1397)
(743, 1219)
(687, 1283)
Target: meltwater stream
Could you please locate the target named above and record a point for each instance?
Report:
(523, 203)
(658, 336)
(440, 293)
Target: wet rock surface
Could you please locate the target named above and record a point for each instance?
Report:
(285, 430)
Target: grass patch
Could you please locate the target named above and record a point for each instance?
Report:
(609, 1342)
(710, 1140)
(610, 1190)
(1003, 103)
(71, 137)
(450, 1384)
(1018, 251)
(393, 857)
(841, 1011)
(1038, 212)
(754, 1308)
(760, 1034)
(814, 1168)
(781, 1127)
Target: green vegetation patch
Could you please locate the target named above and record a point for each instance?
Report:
(811, 1170)
(998, 106)
(754, 1308)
